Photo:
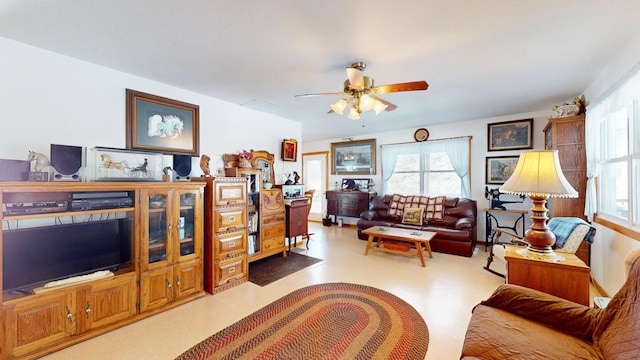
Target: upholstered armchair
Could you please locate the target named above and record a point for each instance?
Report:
(570, 233)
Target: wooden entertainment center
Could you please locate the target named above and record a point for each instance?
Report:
(162, 223)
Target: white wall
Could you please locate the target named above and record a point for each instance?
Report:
(49, 98)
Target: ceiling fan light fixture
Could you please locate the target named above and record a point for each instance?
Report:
(379, 106)
(353, 114)
(339, 106)
(366, 102)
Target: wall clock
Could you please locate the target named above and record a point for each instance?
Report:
(421, 134)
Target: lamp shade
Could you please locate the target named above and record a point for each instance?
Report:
(339, 106)
(353, 114)
(538, 173)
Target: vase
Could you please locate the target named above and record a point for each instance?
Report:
(244, 163)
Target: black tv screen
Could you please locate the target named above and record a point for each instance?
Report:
(34, 256)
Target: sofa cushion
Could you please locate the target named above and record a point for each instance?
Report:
(412, 215)
(396, 205)
(435, 208)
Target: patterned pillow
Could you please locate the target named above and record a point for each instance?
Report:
(396, 205)
(412, 216)
(435, 208)
(416, 201)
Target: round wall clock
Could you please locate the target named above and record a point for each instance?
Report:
(421, 134)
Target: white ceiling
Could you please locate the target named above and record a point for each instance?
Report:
(481, 58)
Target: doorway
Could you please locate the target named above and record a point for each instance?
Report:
(315, 177)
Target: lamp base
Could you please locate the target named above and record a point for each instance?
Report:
(546, 255)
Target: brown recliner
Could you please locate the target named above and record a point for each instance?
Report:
(521, 323)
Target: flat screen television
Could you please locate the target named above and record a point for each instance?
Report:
(34, 256)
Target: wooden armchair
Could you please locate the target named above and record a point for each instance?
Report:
(570, 233)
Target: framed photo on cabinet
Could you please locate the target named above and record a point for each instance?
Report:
(510, 135)
(159, 124)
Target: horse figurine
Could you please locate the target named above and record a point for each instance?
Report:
(204, 164)
(41, 161)
(108, 164)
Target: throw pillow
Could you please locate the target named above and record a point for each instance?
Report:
(435, 208)
(396, 206)
(412, 216)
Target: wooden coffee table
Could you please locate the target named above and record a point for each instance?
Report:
(417, 238)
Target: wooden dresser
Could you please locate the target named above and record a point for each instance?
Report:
(347, 203)
(272, 225)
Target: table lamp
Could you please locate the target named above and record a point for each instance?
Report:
(539, 176)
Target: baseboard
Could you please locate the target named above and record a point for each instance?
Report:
(599, 289)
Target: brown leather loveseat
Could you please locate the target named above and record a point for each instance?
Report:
(455, 231)
(522, 323)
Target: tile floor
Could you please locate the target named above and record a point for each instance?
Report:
(444, 292)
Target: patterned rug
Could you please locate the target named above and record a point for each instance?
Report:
(326, 321)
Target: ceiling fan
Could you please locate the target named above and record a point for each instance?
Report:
(362, 93)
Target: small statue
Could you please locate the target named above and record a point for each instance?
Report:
(166, 170)
(289, 181)
(204, 164)
(41, 161)
(296, 178)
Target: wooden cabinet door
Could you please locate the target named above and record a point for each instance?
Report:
(187, 277)
(272, 200)
(156, 229)
(156, 288)
(106, 302)
(38, 322)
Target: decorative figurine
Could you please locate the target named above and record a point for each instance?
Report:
(296, 178)
(289, 181)
(204, 165)
(41, 161)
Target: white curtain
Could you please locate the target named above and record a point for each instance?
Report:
(457, 149)
(618, 97)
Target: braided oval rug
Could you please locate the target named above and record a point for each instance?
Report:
(325, 321)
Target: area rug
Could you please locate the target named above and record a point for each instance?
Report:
(268, 270)
(325, 321)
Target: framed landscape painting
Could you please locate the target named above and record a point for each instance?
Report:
(500, 168)
(510, 135)
(159, 124)
(353, 157)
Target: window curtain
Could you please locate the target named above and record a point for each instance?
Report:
(457, 149)
(619, 96)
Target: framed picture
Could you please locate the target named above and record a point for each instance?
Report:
(160, 124)
(353, 157)
(289, 150)
(126, 165)
(500, 168)
(510, 135)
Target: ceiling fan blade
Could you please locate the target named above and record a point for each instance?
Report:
(320, 94)
(355, 78)
(408, 86)
(390, 106)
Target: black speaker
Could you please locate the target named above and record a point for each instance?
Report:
(66, 161)
(14, 170)
(181, 167)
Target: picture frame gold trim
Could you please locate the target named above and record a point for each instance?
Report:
(499, 168)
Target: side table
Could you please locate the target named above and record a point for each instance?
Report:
(567, 279)
(490, 219)
(297, 222)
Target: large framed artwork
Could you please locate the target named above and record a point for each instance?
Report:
(353, 157)
(500, 168)
(159, 124)
(510, 135)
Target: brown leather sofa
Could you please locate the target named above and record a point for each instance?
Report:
(455, 233)
(522, 323)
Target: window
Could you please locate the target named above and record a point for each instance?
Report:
(427, 168)
(613, 154)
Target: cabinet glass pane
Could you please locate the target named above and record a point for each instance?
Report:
(157, 228)
(186, 223)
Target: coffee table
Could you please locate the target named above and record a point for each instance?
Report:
(417, 238)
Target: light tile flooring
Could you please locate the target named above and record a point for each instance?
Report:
(444, 292)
